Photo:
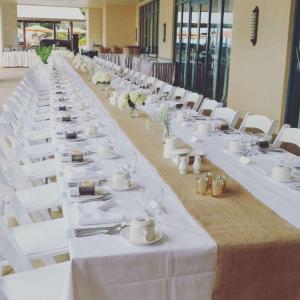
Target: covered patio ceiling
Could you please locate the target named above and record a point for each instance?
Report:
(39, 13)
(71, 3)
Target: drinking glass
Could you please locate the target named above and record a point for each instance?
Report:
(130, 164)
(152, 200)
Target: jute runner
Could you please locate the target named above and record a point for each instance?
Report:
(258, 252)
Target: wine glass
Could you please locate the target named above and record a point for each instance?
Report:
(152, 200)
(130, 164)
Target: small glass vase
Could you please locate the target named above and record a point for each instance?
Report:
(133, 112)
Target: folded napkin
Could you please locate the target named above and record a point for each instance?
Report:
(79, 175)
(91, 214)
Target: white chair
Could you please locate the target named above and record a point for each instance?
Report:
(36, 171)
(42, 240)
(287, 135)
(227, 114)
(260, 122)
(194, 98)
(209, 105)
(157, 86)
(28, 283)
(35, 284)
(168, 90)
(178, 94)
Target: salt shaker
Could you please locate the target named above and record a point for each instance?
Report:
(197, 164)
(182, 165)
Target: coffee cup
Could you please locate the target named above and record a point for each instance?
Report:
(235, 146)
(204, 127)
(281, 173)
(180, 116)
(142, 230)
(105, 150)
(120, 181)
(85, 115)
(91, 130)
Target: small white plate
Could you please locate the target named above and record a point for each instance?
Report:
(133, 185)
(93, 136)
(290, 180)
(112, 156)
(125, 234)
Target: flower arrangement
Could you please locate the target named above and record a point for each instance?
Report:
(164, 119)
(85, 66)
(101, 78)
(131, 100)
(78, 61)
(44, 53)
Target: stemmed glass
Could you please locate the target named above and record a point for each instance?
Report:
(130, 164)
(248, 140)
(152, 200)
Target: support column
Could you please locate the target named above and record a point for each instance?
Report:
(9, 25)
(119, 23)
(24, 34)
(94, 26)
(54, 31)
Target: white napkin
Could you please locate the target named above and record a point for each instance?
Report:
(95, 213)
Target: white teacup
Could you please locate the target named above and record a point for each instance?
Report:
(120, 181)
(91, 130)
(180, 116)
(204, 127)
(105, 150)
(235, 146)
(142, 230)
(281, 173)
(85, 115)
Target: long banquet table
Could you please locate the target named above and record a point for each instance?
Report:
(18, 59)
(254, 228)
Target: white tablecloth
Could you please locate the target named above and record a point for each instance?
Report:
(182, 266)
(255, 177)
(19, 59)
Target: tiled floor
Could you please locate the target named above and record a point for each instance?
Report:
(9, 79)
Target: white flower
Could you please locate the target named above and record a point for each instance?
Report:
(137, 98)
(101, 78)
(123, 101)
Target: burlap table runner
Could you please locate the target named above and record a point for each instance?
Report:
(258, 252)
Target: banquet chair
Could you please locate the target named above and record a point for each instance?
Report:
(150, 81)
(22, 147)
(42, 240)
(178, 94)
(38, 172)
(259, 122)
(192, 100)
(39, 200)
(227, 114)
(44, 283)
(209, 105)
(157, 86)
(287, 135)
(27, 282)
(167, 89)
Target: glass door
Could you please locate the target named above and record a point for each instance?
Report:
(202, 46)
(292, 115)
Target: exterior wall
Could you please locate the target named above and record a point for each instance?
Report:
(94, 22)
(259, 75)
(9, 25)
(166, 15)
(119, 23)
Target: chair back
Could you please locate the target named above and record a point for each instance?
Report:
(288, 135)
(178, 94)
(260, 122)
(210, 105)
(227, 114)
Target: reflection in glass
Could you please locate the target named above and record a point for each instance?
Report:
(202, 46)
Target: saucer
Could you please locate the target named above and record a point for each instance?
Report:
(290, 180)
(111, 156)
(125, 234)
(132, 186)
